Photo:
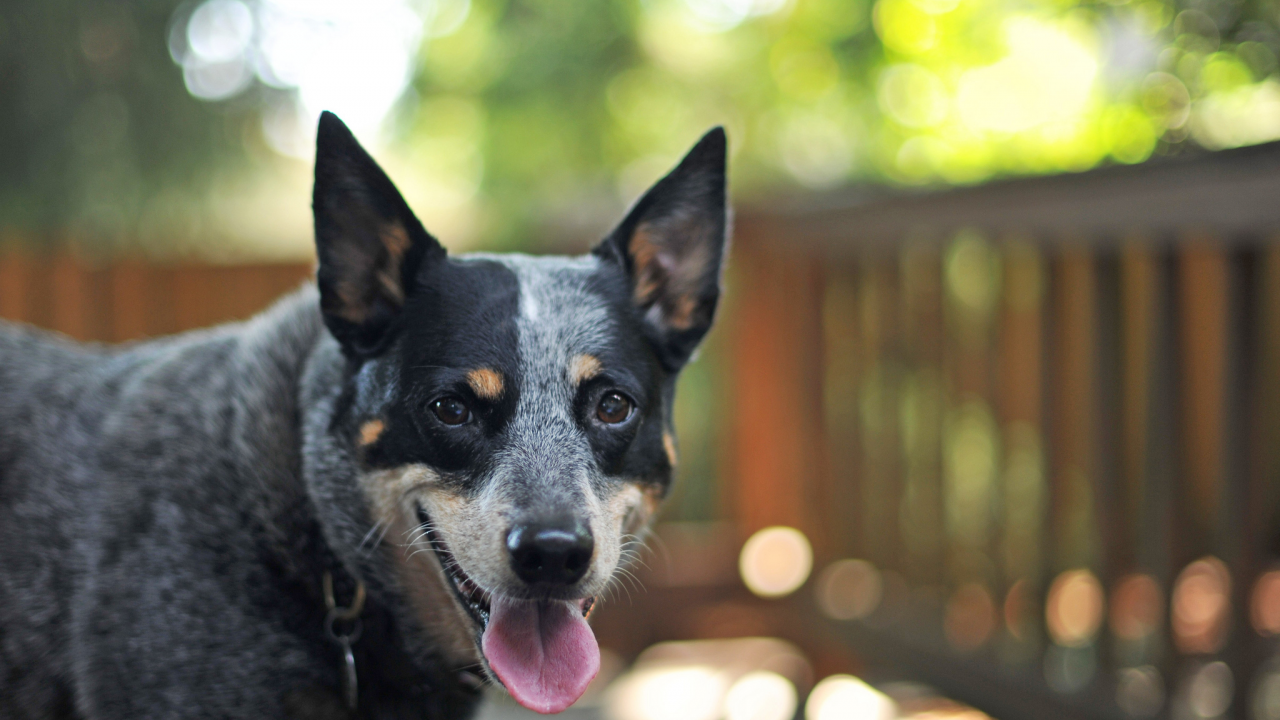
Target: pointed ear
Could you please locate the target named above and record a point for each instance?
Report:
(369, 244)
(672, 246)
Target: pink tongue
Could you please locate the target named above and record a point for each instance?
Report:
(544, 652)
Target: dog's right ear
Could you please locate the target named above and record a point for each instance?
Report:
(369, 244)
(672, 246)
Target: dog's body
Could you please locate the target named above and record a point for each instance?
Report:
(474, 441)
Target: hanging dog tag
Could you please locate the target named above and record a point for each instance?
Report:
(349, 616)
(350, 685)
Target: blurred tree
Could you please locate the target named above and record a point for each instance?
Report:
(527, 122)
(97, 120)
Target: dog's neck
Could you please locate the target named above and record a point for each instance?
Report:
(394, 681)
(391, 682)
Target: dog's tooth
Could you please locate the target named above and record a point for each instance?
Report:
(471, 680)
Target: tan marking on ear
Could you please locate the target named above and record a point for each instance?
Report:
(584, 367)
(486, 383)
(396, 240)
(669, 444)
(648, 274)
(352, 306)
(365, 276)
(682, 309)
(371, 431)
(672, 281)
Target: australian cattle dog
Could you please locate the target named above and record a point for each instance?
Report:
(396, 485)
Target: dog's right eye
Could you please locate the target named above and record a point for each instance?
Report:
(613, 408)
(451, 410)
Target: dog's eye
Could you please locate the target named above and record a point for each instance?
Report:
(614, 407)
(451, 410)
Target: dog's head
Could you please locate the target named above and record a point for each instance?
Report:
(505, 420)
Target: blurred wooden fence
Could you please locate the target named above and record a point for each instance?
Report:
(1045, 414)
(127, 300)
(1042, 415)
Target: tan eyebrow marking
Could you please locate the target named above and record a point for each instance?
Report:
(371, 431)
(669, 444)
(584, 367)
(486, 383)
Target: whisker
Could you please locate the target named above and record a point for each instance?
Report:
(659, 546)
(379, 529)
(372, 529)
(632, 556)
(639, 585)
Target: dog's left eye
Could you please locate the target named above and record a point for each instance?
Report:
(451, 410)
(613, 408)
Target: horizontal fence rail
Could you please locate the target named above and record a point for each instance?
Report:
(133, 299)
(1032, 430)
(1229, 193)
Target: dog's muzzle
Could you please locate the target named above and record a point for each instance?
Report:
(538, 644)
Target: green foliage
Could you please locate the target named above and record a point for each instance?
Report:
(98, 119)
(532, 121)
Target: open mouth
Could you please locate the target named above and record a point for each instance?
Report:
(469, 594)
(542, 651)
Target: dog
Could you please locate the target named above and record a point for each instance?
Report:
(401, 483)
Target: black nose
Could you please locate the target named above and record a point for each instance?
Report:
(551, 553)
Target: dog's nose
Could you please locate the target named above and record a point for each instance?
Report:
(551, 553)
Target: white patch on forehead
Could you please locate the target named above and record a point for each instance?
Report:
(558, 310)
(528, 306)
(560, 318)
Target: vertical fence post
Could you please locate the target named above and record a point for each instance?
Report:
(773, 349)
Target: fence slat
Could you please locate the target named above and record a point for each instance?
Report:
(15, 285)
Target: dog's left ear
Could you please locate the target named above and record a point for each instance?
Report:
(370, 245)
(672, 246)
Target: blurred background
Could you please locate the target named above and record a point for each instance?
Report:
(990, 426)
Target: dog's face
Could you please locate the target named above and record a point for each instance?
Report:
(510, 416)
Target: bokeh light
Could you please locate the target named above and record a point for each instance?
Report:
(742, 678)
(1264, 604)
(354, 59)
(1074, 608)
(775, 561)
(1265, 701)
(841, 697)
(668, 693)
(721, 15)
(1137, 607)
(970, 616)
(1140, 691)
(849, 589)
(1070, 669)
(971, 449)
(761, 695)
(1201, 606)
(1017, 610)
(1209, 690)
(1046, 77)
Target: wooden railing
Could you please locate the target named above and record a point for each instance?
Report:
(132, 299)
(1043, 416)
